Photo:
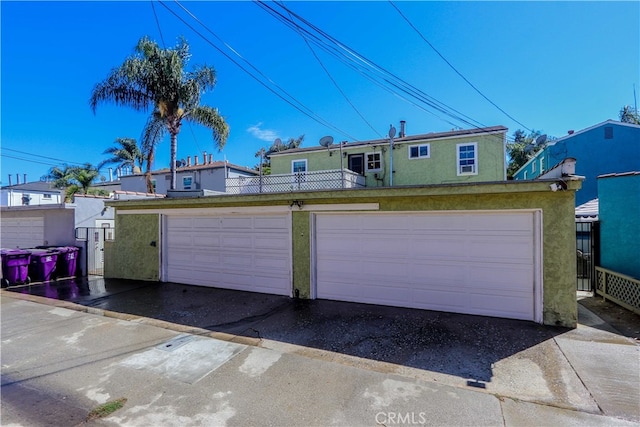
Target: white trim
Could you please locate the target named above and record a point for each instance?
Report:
(342, 207)
(419, 156)
(313, 273)
(306, 168)
(207, 211)
(253, 210)
(538, 267)
(192, 182)
(366, 161)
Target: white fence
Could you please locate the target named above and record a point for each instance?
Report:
(304, 181)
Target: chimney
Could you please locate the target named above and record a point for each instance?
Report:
(25, 178)
(10, 180)
(204, 157)
(402, 126)
(188, 161)
(17, 179)
(210, 158)
(195, 160)
(110, 174)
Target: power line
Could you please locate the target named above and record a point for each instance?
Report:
(158, 24)
(291, 101)
(366, 66)
(338, 86)
(454, 68)
(35, 155)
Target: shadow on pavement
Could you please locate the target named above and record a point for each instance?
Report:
(462, 345)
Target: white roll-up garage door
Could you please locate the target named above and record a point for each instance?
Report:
(465, 262)
(22, 232)
(243, 252)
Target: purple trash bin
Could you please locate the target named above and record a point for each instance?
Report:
(43, 264)
(66, 265)
(15, 266)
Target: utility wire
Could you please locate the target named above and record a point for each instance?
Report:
(452, 67)
(155, 15)
(158, 24)
(26, 160)
(36, 155)
(366, 65)
(335, 83)
(292, 101)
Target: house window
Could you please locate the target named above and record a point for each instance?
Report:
(525, 175)
(533, 167)
(46, 196)
(374, 161)
(153, 184)
(542, 165)
(26, 198)
(299, 170)
(299, 166)
(467, 159)
(187, 182)
(419, 151)
(608, 132)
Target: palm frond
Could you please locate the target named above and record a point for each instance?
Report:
(210, 117)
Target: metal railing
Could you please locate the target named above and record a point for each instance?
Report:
(619, 288)
(303, 181)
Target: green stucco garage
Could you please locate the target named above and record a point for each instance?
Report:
(259, 242)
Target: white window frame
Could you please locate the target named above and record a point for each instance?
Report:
(366, 161)
(542, 165)
(184, 187)
(154, 184)
(419, 156)
(299, 176)
(46, 196)
(459, 167)
(525, 175)
(533, 167)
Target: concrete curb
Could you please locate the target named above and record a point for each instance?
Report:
(238, 339)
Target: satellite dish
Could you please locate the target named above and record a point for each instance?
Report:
(326, 141)
(541, 139)
(277, 142)
(183, 162)
(392, 131)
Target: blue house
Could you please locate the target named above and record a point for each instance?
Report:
(606, 148)
(619, 212)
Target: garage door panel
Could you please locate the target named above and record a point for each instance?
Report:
(243, 252)
(476, 262)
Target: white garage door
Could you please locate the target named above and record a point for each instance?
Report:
(27, 232)
(243, 252)
(475, 262)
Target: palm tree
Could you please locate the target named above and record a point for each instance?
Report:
(84, 176)
(125, 154)
(61, 177)
(156, 78)
(73, 178)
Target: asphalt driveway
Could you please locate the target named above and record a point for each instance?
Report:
(461, 345)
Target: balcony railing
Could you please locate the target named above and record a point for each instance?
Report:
(303, 181)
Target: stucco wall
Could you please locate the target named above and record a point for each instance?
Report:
(559, 269)
(439, 168)
(131, 255)
(619, 212)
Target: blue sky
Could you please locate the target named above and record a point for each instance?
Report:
(551, 66)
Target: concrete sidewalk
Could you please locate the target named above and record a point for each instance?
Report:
(61, 360)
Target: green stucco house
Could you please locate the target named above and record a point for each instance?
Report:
(457, 156)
